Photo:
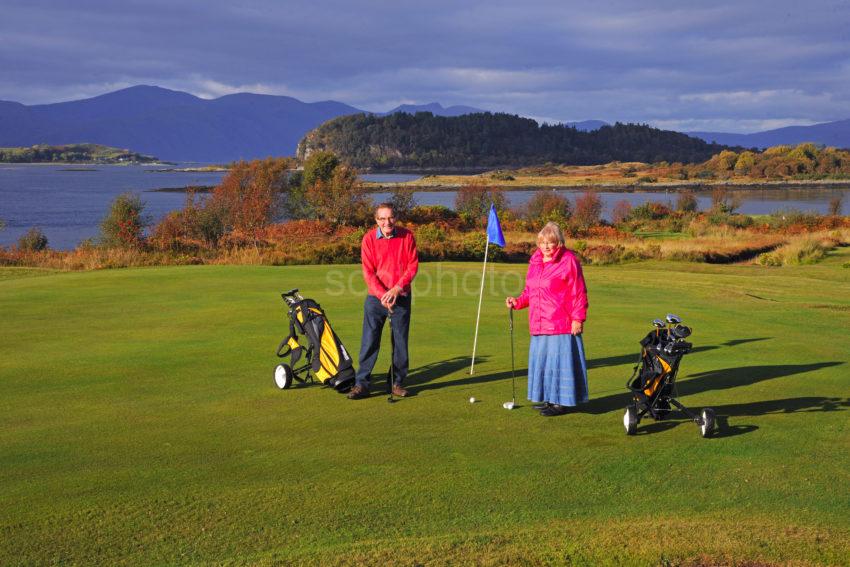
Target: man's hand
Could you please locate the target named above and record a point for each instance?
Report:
(388, 299)
(577, 328)
(510, 302)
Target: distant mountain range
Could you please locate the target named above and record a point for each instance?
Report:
(434, 108)
(828, 133)
(178, 126)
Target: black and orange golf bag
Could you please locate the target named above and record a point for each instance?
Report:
(653, 380)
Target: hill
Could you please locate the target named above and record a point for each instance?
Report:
(434, 108)
(835, 134)
(170, 124)
(72, 153)
(480, 140)
(178, 126)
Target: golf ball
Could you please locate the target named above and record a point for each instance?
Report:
(472, 400)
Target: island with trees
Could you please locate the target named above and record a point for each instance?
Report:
(74, 154)
(423, 141)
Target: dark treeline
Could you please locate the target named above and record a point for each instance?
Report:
(423, 140)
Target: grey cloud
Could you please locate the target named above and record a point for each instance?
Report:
(662, 62)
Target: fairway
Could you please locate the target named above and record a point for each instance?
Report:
(139, 424)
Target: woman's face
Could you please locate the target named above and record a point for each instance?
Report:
(548, 247)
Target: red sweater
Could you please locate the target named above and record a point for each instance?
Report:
(389, 262)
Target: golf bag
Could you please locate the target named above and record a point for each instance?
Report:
(325, 358)
(653, 380)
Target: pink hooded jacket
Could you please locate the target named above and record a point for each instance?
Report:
(554, 292)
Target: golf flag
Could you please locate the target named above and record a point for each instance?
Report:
(494, 235)
(494, 229)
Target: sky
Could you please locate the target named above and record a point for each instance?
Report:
(739, 66)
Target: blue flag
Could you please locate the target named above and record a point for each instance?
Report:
(494, 229)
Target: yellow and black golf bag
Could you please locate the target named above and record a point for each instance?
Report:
(325, 358)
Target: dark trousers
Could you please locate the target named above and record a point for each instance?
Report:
(374, 315)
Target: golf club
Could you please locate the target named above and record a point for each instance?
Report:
(510, 405)
(391, 373)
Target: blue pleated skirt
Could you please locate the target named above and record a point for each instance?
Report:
(557, 370)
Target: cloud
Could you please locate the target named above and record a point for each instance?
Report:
(727, 63)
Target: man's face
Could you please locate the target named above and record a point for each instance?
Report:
(386, 220)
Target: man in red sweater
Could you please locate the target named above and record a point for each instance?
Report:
(390, 262)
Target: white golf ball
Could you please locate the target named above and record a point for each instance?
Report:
(472, 400)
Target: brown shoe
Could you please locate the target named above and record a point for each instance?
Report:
(358, 392)
(398, 391)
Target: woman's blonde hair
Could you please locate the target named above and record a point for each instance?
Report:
(551, 232)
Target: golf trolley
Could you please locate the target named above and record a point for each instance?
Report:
(325, 357)
(654, 377)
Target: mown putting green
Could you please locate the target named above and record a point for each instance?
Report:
(139, 424)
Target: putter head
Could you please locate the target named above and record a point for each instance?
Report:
(508, 405)
(658, 323)
(673, 319)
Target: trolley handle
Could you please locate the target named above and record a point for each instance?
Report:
(283, 344)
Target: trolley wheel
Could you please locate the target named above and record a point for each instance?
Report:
(630, 419)
(706, 428)
(283, 376)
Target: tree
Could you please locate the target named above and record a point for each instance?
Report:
(342, 199)
(722, 202)
(319, 166)
(686, 202)
(588, 210)
(403, 201)
(249, 196)
(33, 240)
(124, 224)
(835, 205)
(622, 211)
(546, 206)
(473, 200)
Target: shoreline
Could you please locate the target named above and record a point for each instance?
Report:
(701, 187)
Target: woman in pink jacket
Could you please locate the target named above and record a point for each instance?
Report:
(556, 297)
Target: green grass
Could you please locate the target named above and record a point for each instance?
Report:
(139, 424)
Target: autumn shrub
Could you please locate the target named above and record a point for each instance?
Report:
(651, 210)
(785, 218)
(299, 229)
(423, 214)
(621, 212)
(604, 253)
(342, 199)
(588, 210)
(686, 202)
(33, 240)
(807, 250)
(403, 202)
(431, 233)
(248, 198)
(124, 224)
(501, 176)
(473, 200)
(835, 206)
(545, 206)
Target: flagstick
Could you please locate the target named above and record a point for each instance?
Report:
(480, 297)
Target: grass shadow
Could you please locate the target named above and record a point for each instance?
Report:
(633, 358)
(723, 413)
(423, 381)
(712, 380)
